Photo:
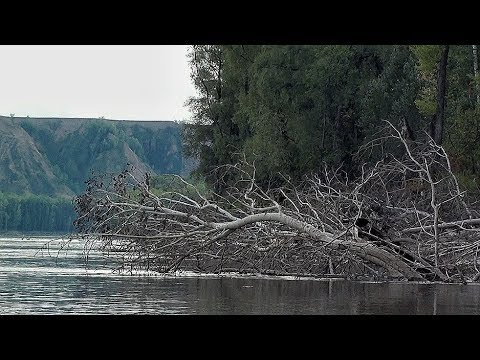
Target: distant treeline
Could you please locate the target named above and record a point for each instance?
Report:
(42, 213)
(35, 213)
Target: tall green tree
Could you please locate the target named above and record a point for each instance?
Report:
(211, 135)
(432, 69)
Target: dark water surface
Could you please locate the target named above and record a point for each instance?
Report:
(36, 281)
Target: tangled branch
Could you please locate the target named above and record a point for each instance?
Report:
(401, 218)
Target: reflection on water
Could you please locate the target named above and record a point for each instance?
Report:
(48, 282)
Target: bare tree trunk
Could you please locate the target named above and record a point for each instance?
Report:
(439, 118)
(475, 72)
(323, 132)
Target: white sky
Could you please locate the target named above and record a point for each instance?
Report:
(135, 82)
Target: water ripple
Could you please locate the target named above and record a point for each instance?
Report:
(34, 280)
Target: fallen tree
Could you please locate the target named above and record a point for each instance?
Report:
(403, 218)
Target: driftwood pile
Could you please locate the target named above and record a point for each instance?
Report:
(402, 218)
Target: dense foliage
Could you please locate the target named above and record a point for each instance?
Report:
(293, 108)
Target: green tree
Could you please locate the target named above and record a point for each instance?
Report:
(212, 135)
(432, 69)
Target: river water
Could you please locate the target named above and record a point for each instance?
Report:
(36, 279)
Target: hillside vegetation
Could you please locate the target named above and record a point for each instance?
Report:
(44, 162)
(50, 156)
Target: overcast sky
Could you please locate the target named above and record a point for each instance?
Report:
(134, 82)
